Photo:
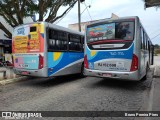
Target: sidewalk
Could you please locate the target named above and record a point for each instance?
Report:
(156, 92)
(9, 73)
(10, 76)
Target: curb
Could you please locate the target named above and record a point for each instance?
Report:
(7, 81)
(156, 74)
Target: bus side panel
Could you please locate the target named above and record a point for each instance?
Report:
(64, 63)
(137, 48)
(143, 53)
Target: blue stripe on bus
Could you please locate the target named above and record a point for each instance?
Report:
(42, 34)
(99, 55)
(64, 59)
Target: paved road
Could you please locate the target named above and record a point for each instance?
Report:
(156, 90)
(157, 60)
(76, 94)
(73, 93)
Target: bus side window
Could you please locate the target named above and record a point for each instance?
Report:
(82, 43)
(62, 38)
(50, 34)
(52, 40)
(146, 42)
(148, 45)
(57, 40)
(74, 42)
(142, 38)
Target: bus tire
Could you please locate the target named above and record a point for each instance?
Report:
(82, 70)
(147, 68)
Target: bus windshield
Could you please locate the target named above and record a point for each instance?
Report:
(111, 31)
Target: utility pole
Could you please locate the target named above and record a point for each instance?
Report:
(79, 16)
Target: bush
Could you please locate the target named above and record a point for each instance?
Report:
(156, 52)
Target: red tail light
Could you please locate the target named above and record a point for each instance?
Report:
(40, 62)
(134, 65)
(85, 61)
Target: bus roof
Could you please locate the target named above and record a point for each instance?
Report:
(53, 26)
(113, 19)
(64, 29)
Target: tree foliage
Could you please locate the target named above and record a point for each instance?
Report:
(156, 46)
(152, 3)
(14, 11)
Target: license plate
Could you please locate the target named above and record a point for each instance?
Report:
(25, 73)
(23, 65)
(107, 75)
(106, 65)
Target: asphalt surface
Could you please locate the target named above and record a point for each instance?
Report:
(157, 60)
(73, 93)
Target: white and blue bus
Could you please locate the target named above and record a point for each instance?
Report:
(117, 48)
(42, 49)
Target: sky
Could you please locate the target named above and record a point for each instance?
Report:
(101, 9)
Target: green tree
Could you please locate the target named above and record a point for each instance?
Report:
(152, 3)
(156, 46)
(14, 11)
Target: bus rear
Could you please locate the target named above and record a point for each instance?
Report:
(28, 43)
(110, 49)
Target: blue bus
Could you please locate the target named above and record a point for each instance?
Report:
(117, 48)
(43, 49)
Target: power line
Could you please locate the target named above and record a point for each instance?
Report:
(155, 36)
(88, 11)
(62, 17)
(155, 31)
(70, 10)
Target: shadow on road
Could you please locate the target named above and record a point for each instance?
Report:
(128, 85)
(50, 82)
(115, 83)
(121, 84)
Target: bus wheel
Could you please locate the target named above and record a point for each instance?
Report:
(145, 77)
(82, 70)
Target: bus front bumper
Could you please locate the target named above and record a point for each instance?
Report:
(134, 76)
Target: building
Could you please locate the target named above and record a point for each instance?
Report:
(83, 24)
(5, 48)
(5, 43)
